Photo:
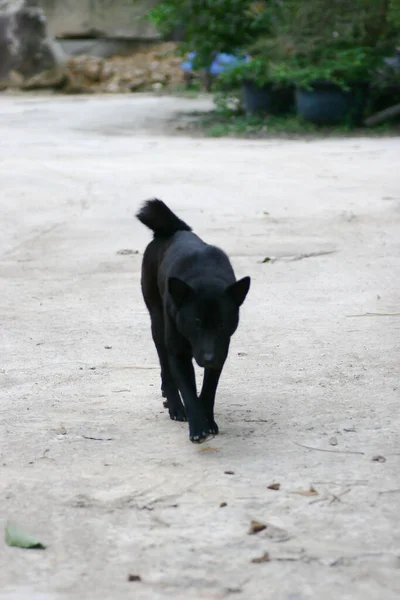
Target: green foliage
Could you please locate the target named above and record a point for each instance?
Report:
(228, 103)
(256, 69)
(339, 41)
(290, 41)
(394, 15)
(212, 26)
(340, 66)
(165, 17)
(238, 125)
(308, 28)
(290, 126)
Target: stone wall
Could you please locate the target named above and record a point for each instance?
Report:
(99, 18)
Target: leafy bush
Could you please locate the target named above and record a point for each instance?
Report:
(338, 41)
(254, 69)
(289, 41)
(394, 15)
(341, 67)
(212, 26)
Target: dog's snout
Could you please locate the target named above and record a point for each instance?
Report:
(208, 358)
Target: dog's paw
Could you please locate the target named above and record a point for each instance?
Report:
(177, 414)
(199, 438)
(213, 428)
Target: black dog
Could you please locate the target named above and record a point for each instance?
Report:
(193, 299)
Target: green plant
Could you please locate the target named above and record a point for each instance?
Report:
(290, 126)
(329, 40)
(341, 67)
(165, 17)
(228, 103)
(394, 15)
(308, 28)
(254, 69)
(212, 26)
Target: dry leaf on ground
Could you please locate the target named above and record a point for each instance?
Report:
(261, 559)
(274, 486)
(379, 458)
(310, 492)
(256, 527)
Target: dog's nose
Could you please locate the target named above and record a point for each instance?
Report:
(208, 358)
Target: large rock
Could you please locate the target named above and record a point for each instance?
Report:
(153, 67)
(29, 58)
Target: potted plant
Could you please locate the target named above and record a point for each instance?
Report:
(259, 92)
(329, 50)
(333, 87)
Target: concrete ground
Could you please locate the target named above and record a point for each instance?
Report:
(90, 462)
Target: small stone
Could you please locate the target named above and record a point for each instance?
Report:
(127, 251)
(379, 458)
(274, 486)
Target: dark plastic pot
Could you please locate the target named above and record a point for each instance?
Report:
(266, 99)
(382, 98)
(328, 104)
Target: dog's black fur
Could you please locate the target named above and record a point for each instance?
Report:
(193, 298)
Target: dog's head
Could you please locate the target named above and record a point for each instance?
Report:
(207, 318)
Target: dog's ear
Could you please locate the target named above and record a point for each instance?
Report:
(179, 290)
(238, 290)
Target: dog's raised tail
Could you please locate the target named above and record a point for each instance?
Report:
(160, 219)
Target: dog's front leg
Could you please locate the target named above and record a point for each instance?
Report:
(207, 396)
(183, 372)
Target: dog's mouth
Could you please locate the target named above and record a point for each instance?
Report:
(205, 363)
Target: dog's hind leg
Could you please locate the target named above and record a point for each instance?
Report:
(168, 386)
(207, 396)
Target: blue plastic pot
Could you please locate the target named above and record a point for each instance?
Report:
(266, 99)
(328, 104)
